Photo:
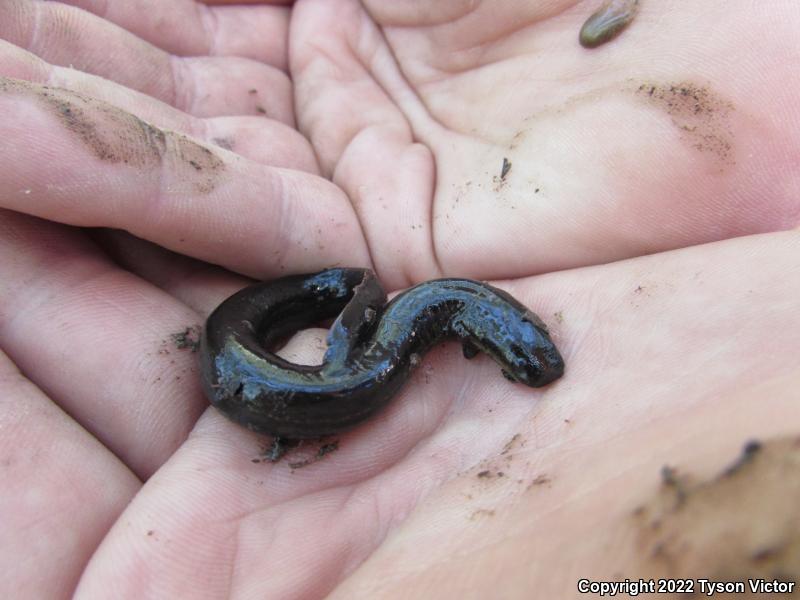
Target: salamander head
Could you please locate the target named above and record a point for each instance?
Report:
(523, 348)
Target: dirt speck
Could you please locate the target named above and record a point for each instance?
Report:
(515, 442)
(517, 138)
(324, 449)
(539, 480)
(189, 338)
(504, 170)
(481, 512)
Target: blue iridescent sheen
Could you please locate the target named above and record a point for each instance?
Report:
(372, 346)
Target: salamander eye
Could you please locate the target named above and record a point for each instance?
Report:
(517, 351)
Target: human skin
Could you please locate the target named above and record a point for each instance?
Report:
(660, 248)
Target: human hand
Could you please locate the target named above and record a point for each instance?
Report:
(299, 534)
(215, 171)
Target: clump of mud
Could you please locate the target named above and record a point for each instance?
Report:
(741, 525)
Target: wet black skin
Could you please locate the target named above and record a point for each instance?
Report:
(372, 346)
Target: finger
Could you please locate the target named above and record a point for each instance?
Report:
(257, 138)
(62, 491)
(108, 168)
(202, 86)
(369, 148)
(262, 140)
(103, 344)
(197, 284)
(329, 76)
(188, 28)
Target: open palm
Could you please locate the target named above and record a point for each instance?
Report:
(454, 138)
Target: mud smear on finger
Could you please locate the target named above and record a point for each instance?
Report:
(742, 524)
(118, 137)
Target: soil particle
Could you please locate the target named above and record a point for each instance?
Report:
(189, 338)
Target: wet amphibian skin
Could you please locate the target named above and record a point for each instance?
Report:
(372, 346)
(607, 22)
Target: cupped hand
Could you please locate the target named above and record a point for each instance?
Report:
(463, 138)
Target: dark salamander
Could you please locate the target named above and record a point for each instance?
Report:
(372, 346)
